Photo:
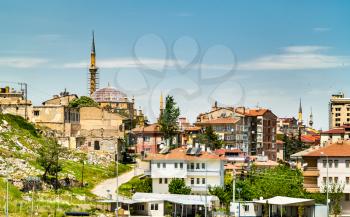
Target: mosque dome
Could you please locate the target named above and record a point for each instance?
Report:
(108, 94)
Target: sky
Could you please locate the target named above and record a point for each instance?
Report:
(257, 53)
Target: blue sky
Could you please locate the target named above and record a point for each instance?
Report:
(265, 53)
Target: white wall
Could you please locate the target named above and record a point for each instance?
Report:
(169, 171)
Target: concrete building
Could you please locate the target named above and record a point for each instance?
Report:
(335, 134)
(288, 126)
(14, 102)
(198, 168)
(149, 139)
(337, 157)
(339, 110)
(254, 132)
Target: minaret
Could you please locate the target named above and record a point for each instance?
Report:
(300, 114)
(93, 75)
(311, 122)
(161, 104)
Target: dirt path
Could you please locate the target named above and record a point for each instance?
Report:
(109, 186)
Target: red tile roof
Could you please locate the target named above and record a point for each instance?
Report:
(153, 128)
(227, 120)
(222, 151)
(180, 154)
(334, 131)
(339, 149)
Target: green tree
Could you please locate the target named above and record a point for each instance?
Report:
(168, 119)
(210, 138)
(223, 193)
(336, 194)
(48, 158)
(83, 101)
(178, 186)
(292, 145)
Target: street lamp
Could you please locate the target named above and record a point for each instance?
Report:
(327, 180)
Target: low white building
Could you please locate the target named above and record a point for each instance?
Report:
(337, 157)
(198, 168)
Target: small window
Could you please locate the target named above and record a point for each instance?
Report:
(181, 165)
(192, 166)
(347, 180)
(152, 206)
(203, 166)
(164, 165)
(347, 163)
(158, 165)
(203, 181)
(160, 181)
(246, 208)
(192, 181)
(156, 206)
(330, 180)
(198, 181)
(347, 196)
(175, 165)
(335, 179)
(330, 163)
(336, 163)
(197, 166)
(36, 113)
(324, 163)
(165, 181)
(324, 180)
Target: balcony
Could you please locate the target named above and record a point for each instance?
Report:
(191, 172)
(311, 171)
(312, 188)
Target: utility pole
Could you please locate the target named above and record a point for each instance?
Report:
(234, 191)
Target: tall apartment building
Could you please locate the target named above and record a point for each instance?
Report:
(337, 156)
(199, 169)
(339, 110)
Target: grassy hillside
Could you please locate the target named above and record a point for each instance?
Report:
(19, 142)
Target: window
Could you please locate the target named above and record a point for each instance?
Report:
(197, 166)
(246, 208)
(203, 181)
(203, 166)
(347, 197)
(324, 163)
(154, 206)
(336, 163)
(160, 181)
(192, 181)
(335, 179)
(330, 163)
(175, 165)
(164, 165)
(147, 138)
(347, 180)
(198, 181)
(36, 113)
(165, 181)
(181, 165)
(324, 180)
(192, 166)
(330, 180)
(337, 109)
(158, 165)
(347, 163)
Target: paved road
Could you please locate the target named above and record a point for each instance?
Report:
(107, 188)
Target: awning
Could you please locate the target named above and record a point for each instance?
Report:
(287, 201)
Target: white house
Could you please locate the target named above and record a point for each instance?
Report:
(335, 134)
(198, 168)
(337, 157)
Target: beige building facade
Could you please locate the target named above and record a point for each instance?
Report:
(339, 110)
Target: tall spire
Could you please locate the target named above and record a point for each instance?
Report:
(311, 121)
(93, 75)
(300, 113)
(161, 103)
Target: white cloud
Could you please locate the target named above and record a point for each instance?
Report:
(321, 29)
(21, 62)
(297, 58)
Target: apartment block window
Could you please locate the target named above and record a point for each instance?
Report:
(324, 163)
(330, 180)
(192, 181)
(324, 180)
(197, 166)
(330, 163)
(203, 166)
(347, 180)
(198, 181)
(347, 163)
(335, 179)
(337, 109)
(154, 206)
(246, 208)
(181, 165)
(203, 181)
(336, 162)
(347, 196)
(347, 114)
(158, 165)
(175, 165)
(160, 181)
(337, 114)
(192, 166)
(337, 119)
(165, 181)
(164, 165)
(36, 113)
